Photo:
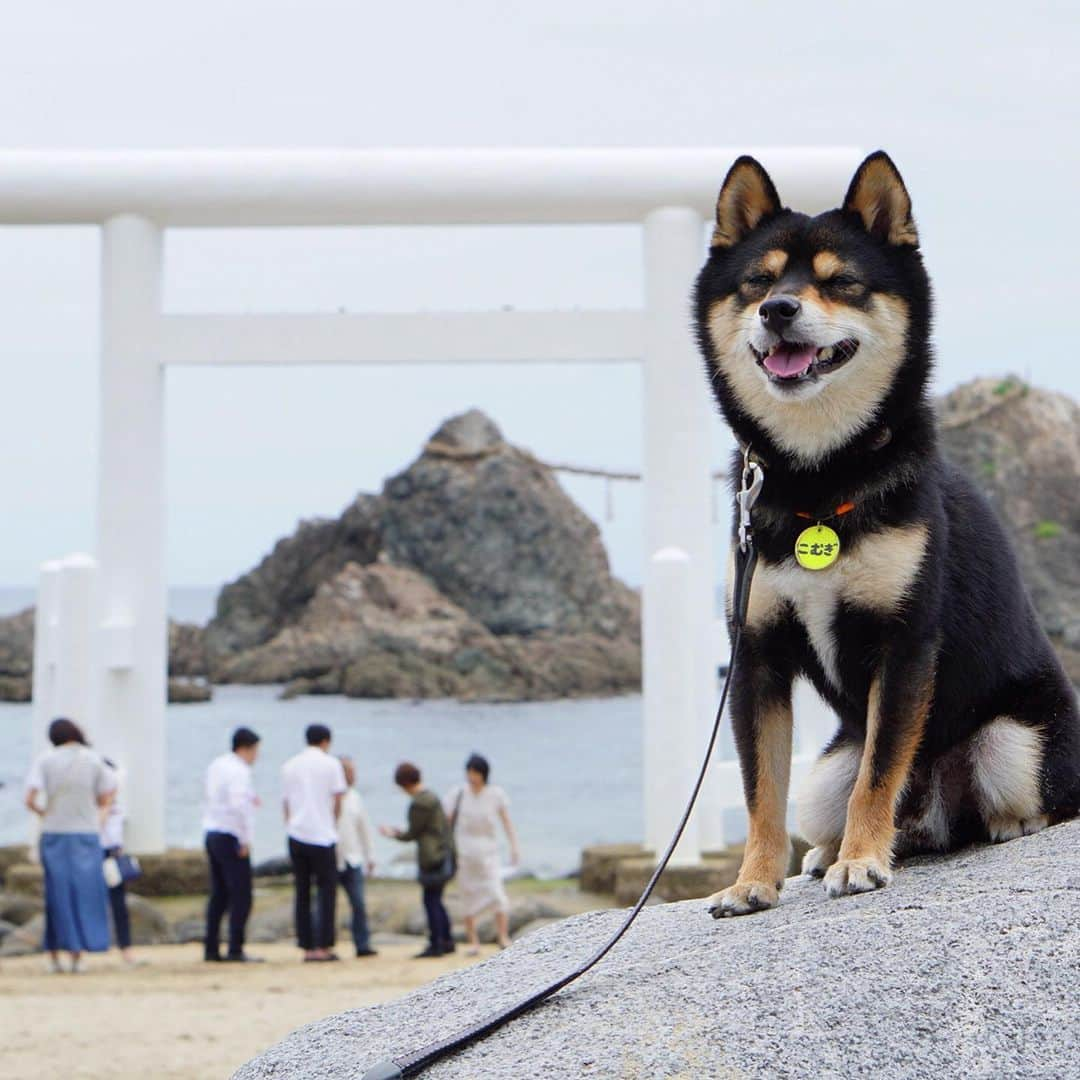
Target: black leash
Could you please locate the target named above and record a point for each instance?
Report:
(396, 1068)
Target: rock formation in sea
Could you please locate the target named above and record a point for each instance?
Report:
(472, 575)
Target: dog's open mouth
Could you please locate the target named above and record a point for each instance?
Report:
(793, 361)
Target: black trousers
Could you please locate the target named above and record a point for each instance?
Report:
(230, 890)
(118, 904)
(437, 918)
(313, 861)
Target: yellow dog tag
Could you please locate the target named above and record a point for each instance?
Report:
(817, 547)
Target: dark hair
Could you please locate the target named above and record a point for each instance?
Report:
(243, 737)
(406, 774)
(316, 734)
(477, 763)
(63, 731)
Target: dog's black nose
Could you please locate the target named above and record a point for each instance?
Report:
(777, 312)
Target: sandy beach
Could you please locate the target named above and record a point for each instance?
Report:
(177, 1018)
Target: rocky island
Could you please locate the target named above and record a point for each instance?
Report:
(471, 575)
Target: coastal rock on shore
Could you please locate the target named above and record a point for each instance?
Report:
(187, 660)
(966, 965)
(1021, 445)
(16, 655)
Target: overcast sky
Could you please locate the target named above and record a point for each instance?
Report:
(980, 114)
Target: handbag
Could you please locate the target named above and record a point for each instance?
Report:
(448, 868)
(120, 869)
(440, 876)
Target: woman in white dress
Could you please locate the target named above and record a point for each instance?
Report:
(474, 811)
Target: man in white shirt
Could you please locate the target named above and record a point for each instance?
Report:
(229, 824)
(355, 856)
(313, 784)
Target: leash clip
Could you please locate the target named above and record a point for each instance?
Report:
(753, 479)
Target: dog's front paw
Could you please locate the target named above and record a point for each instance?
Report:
(743, 898)
(848, 876)
(818, 859)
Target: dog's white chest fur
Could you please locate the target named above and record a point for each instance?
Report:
(875, 575)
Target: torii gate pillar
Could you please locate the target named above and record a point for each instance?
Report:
(131, 523)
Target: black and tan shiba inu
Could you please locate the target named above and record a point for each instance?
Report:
(957, 722)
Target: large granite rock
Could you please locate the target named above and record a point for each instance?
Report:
(495, 532)
(258, 605)
(1022, 447)
(967, 965)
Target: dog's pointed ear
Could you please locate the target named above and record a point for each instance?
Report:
(747, 198)
(877, 194)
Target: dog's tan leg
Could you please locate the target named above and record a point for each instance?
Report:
(766, 765)
(896, 716)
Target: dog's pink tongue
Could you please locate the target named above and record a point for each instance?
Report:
(790, 360)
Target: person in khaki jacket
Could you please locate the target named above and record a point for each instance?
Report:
(430, 830)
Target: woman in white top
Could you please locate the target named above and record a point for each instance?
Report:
(474, 811)
(75, 786)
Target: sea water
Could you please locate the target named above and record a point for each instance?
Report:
(572, 769)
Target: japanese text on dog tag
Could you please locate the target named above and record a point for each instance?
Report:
(817, 547)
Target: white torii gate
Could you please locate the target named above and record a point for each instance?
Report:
(113, 675)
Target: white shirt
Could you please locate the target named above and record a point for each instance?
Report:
(309, 782)
(230, 798)
(354, 846)
(112, 825)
